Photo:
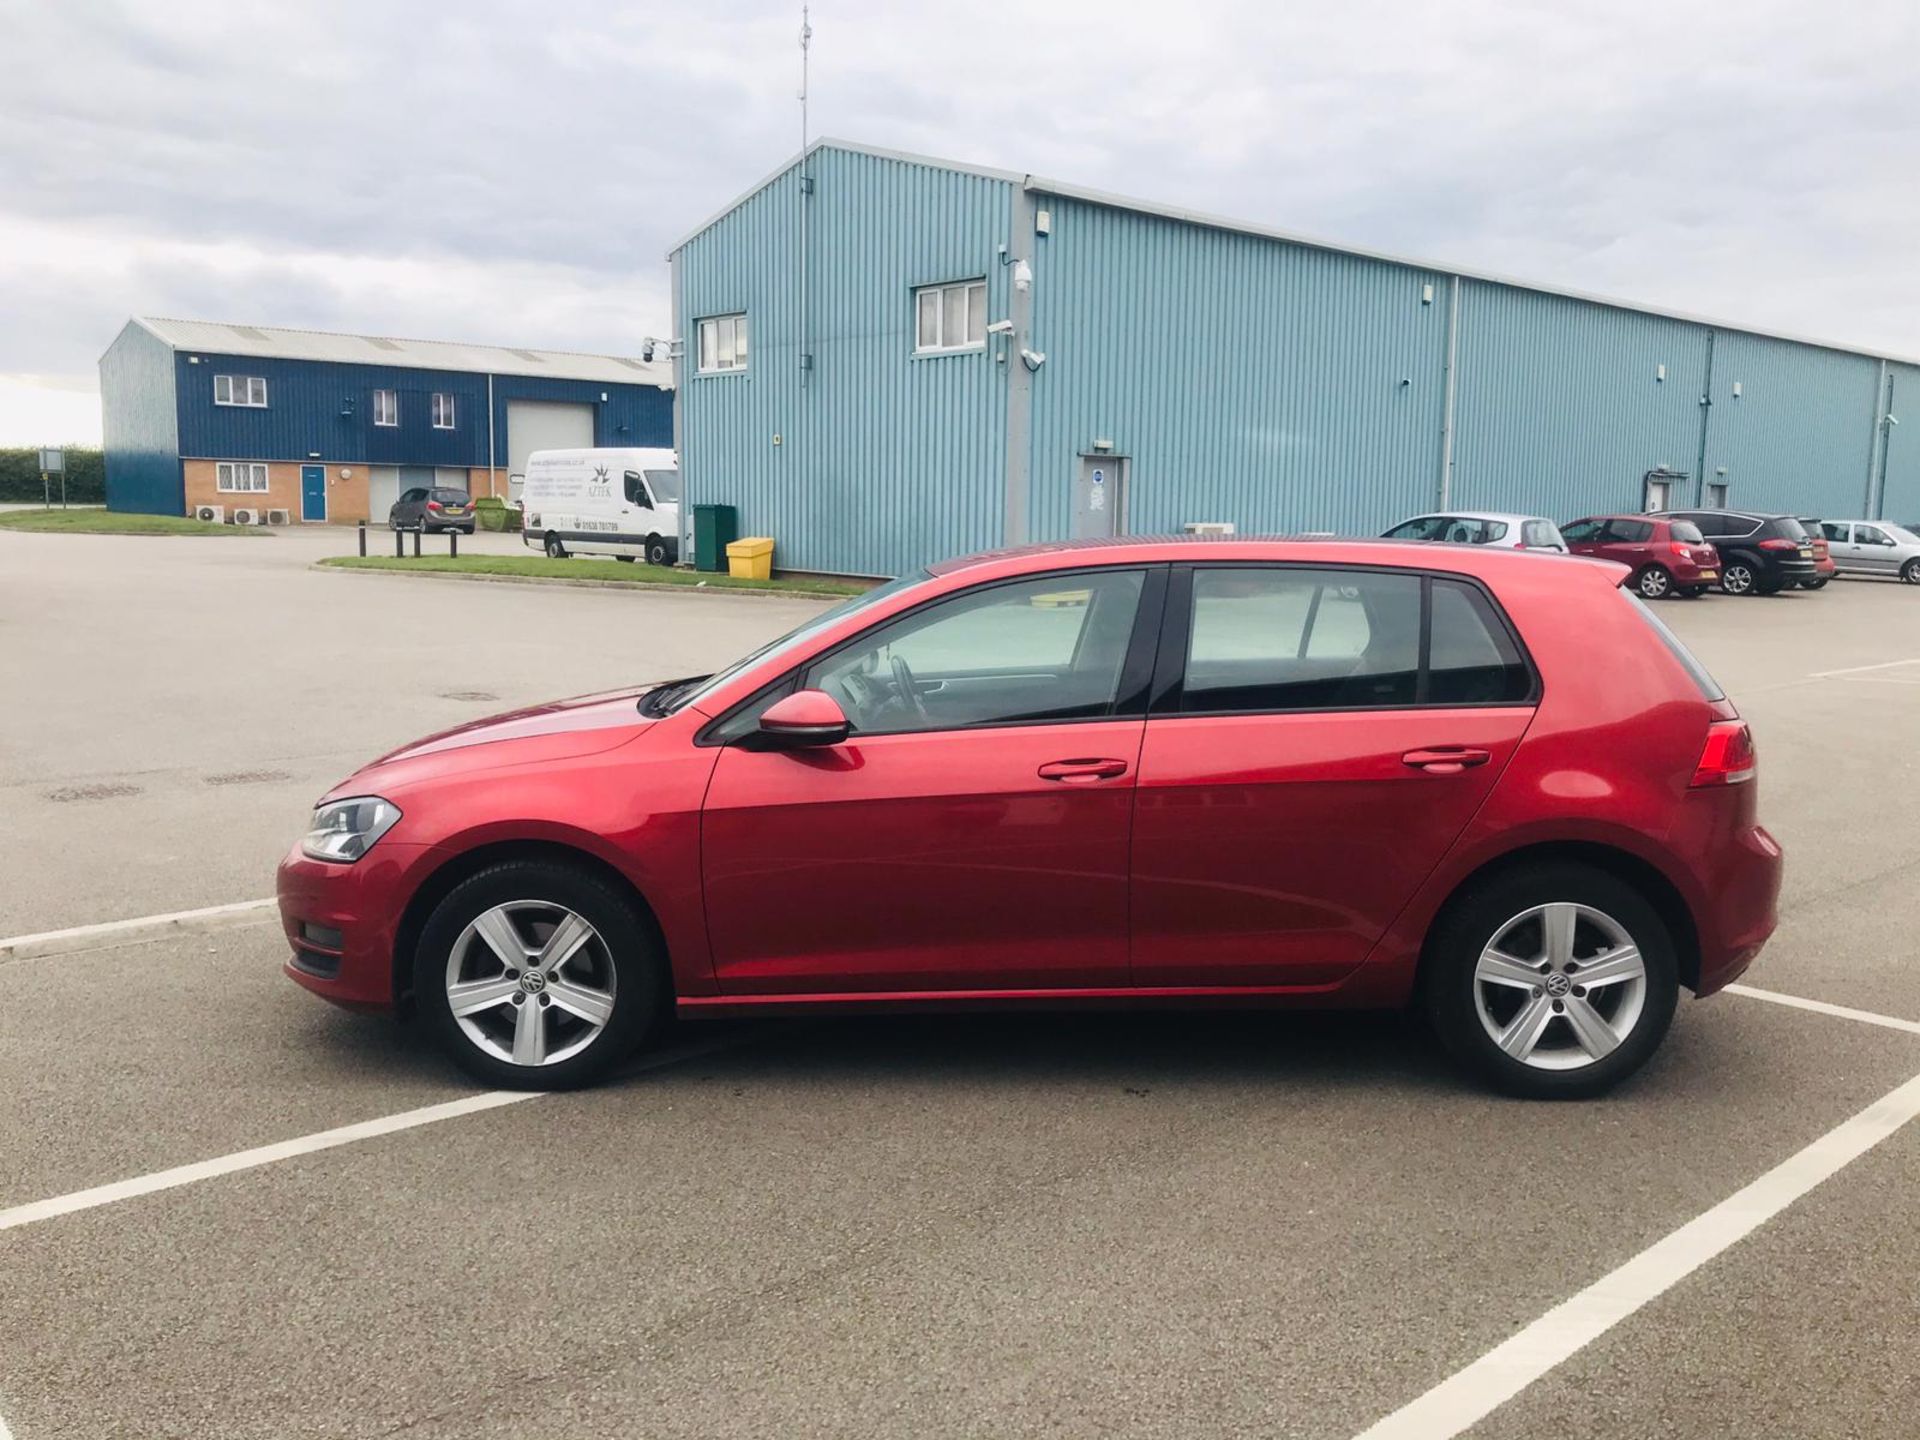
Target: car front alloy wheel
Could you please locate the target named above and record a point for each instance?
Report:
(1737, 578)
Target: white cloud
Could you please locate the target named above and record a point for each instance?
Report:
(505, 172)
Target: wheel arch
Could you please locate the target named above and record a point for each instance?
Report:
(442, 881)
(1630, 869)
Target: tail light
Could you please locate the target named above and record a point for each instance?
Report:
(1779, 544)
(1727, 758)
(433, 504)
(1683, 550)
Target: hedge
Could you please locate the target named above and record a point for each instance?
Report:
(86, 477)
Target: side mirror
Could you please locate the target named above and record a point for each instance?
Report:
(804, 718)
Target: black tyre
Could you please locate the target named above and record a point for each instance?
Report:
(1693, 592)
(1910, 572)
(1653, 582)
(555, 550)
(657, 552)
(1554, 981)
(539, 976)
(1816, 583)
(1738, 577)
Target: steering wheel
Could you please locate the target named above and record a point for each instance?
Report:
(909, 692)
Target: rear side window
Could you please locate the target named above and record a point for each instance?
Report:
(1708, 686)
(1686, 532)
(1630, 532)
(1297, 639)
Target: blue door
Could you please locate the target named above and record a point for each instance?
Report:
(313, 492)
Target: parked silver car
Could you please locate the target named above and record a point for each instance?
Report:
(1482, 527)
(1873, 547)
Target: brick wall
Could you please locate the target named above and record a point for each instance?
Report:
(346, 490)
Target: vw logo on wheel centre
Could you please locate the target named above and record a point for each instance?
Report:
(533, 981)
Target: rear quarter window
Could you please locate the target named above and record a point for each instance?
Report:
(1472, 658)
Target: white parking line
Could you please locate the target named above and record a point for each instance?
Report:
(130, 932)
(1470, 1395)
(1821, 1007)
(1860, 669)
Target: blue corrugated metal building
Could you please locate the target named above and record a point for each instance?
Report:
(330, 427)
(884, 359)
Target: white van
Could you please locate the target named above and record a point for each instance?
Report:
(624, 503)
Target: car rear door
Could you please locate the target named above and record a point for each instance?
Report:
(972, 833)
(1318, 737)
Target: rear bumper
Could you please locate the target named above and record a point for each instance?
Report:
(1742, 908)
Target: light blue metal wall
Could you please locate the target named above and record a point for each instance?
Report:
(1272, 385)
(1799, 436)
(140, 425)
(1900, 497)
(884, 461)
(1561, 410)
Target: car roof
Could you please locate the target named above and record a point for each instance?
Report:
(1507, 515)
(1216, 549)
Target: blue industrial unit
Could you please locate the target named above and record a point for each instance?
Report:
(1142, 368)
(329, 427)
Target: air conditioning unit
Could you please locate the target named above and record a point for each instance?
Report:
(1208, 527)
(246, 517)
(278, 517)
(216, 513)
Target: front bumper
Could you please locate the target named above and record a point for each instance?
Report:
(361, 905)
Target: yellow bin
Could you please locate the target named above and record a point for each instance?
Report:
(751, 558)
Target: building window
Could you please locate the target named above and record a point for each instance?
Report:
(723, 344)
(950, 317)
(386, 407)
(442, 411)
(240, 390)
(240, 476)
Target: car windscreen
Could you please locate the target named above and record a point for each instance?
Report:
(794, 639)
(665, 484)
(1686, 532)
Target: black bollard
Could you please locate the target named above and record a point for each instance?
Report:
(363, 539)
(453, 543)
(399, 544)
(416, 541)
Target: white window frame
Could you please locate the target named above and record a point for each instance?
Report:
(392, 397)
(240, 477)
(722, 342)
(252, 390)
(973, 297)
(442, 410)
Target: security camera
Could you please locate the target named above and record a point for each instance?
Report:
(646, 349)
(1032, 359)
(1000, 327)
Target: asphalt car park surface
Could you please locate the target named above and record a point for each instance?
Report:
(1060, 1225)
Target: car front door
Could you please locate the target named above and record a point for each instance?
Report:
(972, 832)
(1302, 771)
(1873, 551)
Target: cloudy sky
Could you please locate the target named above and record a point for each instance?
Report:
(513, 172)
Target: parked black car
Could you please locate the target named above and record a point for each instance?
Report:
(429, 509)
(1760, 554)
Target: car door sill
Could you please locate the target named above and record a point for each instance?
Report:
(697, 1006)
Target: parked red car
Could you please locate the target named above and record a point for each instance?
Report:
(1824, 568)
(1269, 773)
(1667, 557)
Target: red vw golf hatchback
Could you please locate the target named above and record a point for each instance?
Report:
(1272, 773)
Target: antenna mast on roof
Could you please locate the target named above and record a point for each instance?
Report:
(806, 188)
(806, 41)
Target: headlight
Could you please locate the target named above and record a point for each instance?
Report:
(344, 830)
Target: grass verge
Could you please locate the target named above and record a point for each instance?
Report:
(606, 572)
(108, 522)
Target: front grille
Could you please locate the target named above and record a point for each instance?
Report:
(316, 963)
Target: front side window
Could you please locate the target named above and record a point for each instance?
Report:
(386, 407)
(1047, 648)
(723, 344)
(240, 476)
(1865, 535)
(636, 491)
(249, 390)
(950, 317)
(442, 411)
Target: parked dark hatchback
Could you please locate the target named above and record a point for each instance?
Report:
(436, 508)
(1760, 554)
(1668, 557)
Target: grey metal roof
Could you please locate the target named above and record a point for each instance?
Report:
(1040, 185)
(269, 342)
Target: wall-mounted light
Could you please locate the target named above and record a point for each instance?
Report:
(1660, 372)
(1426, 294)
(1103, 446)
(1736, 389)
(1022, 276)
(1043, 222)
(1032, 359)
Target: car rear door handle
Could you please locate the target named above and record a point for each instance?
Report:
(1445, 759)
(1082, 771)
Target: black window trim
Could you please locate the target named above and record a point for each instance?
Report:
(1176, 631)
(1131, 697)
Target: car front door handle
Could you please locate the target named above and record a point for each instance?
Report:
(1082, 771)
(1445, 759)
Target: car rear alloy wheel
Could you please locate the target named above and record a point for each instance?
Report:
(537, 975)
(1552, 981)
(1910, 572)
(1737, 578)
(1654, 583)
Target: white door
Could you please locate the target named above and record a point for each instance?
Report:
(450, 477)
(383, 488)
(545, 425)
